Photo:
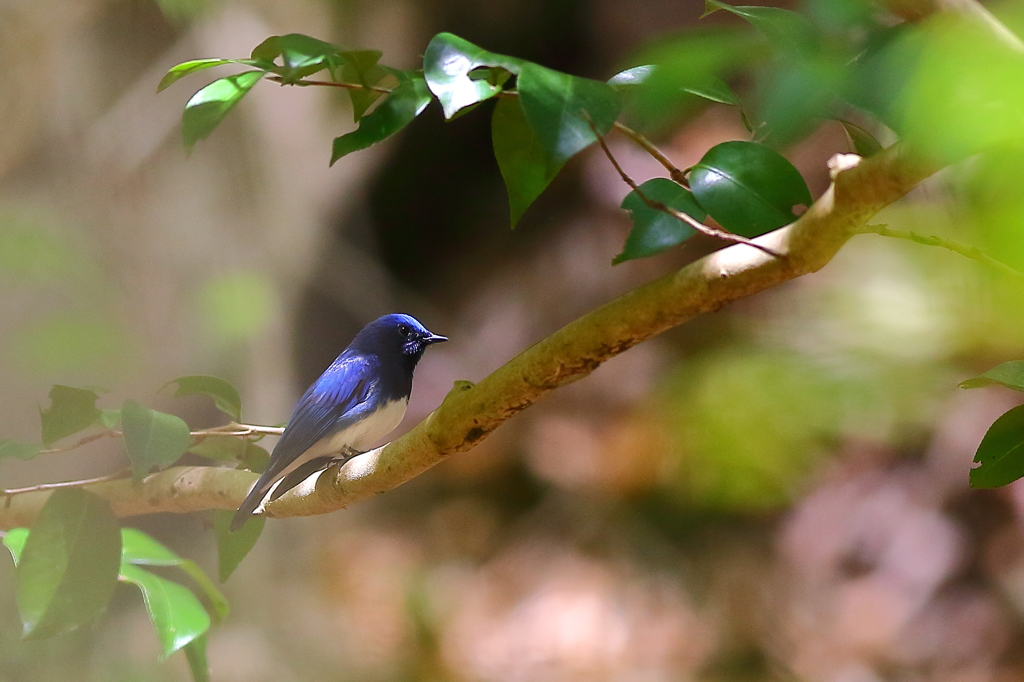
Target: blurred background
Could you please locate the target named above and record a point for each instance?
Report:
(776, 491)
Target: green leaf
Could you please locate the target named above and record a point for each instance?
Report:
(712, 89)
(665, 93)
(748, 188)
(110, 418)
(300, 56)
(785, 29)
(141, 549)
(405, 103)
(209, 106)
(222, 448)
(255, 459)
(151, 438)
(195, 651)
(655, 231)
(524, 165)
(561, 108)
(636, 75)
(14, 540)
(18, 449)
(863, 142)
(361, 67)
(71, 410)
(176, 613)
(1000, 455)
(68, 568)
(178, 72)
(233, 547)
(451, 67)
(1009, 374)
(225, 396)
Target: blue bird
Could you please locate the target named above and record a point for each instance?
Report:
(359, 399)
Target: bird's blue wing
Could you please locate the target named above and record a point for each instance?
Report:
(339, 390)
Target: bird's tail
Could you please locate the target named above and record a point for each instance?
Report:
(252, 500)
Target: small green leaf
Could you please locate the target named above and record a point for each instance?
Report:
(110, 418)
(151, 438)
(405, 103)
(1000, 455)
(233, 547)
(175, 612)
(209, 106)
(450, 67)
(361, 67)
(195, 651)
(71, 410)
(225, 396)
(524, 165)
(712, 89)
(14, 540)
(561, 109)
(863, 142)
(221, 448)
(68, 568)
(140, 549)
(633, 76)
(255, 459)
(655, 231)
(300, 56)
(18, 449)
(1009, 374)
(748, 188)
(786, 29)
(178, 72)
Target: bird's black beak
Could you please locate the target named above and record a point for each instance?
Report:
(433, 338)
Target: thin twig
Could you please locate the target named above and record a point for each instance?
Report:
(689, 220)
(124, 473)
(972, 252)
(332, 84)
(648, 146)
(80, 443)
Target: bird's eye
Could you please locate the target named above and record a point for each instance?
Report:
(404, 329)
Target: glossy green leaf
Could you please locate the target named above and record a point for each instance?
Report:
(1000, 456)
(68, 568)
(404, 104)
(140, 549)
(233, 547)
(561, 109)
(748, 188)
(225, 396)
(636, 75)
(360, 66)
(786, 29)
(176, 613)
(1009, 374)
(712, 89)
(71, 410)
(18, 449)
(209, 106)
(195, 651)
(152, 438)
(300, 56)
(863, 142)
(14, 540)
(685, 66)
(654, 230)
(524, 165)
(178, 72)
(452, 66)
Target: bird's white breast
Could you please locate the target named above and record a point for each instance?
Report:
(364, 433)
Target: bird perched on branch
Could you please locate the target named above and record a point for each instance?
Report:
(359, 399)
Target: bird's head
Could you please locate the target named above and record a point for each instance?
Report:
(401, 334)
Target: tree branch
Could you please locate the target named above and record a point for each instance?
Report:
(470, 412)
